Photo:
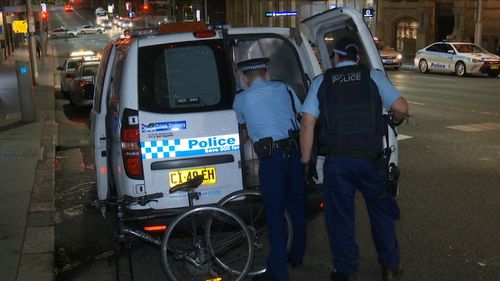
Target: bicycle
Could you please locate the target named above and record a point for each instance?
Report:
(199, 243)
(219, 237)
(249, 205)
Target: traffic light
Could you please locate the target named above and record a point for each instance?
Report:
(44, 15)
(145, 8)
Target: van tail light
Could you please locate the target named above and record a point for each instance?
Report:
(130, 143)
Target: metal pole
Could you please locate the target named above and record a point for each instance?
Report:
(31, 42)
(478, 34)
(205, 11)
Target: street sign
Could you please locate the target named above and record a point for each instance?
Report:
(20, 26)
(368, 13)
(281, 13)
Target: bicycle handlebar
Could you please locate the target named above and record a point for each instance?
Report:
(141, 200)
(127, 200)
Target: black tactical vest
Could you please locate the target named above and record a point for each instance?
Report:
(350, 111)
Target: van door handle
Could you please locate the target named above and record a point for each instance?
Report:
(103, 153)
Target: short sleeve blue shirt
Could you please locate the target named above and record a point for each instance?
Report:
(266, 108)
(388, 93)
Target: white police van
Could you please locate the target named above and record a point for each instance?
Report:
(162, 110)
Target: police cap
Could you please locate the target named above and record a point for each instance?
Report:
(253, 64)
(346, 47)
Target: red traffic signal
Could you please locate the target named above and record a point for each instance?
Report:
(145, 7)
(44, 15)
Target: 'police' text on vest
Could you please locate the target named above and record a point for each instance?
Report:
(346, 77)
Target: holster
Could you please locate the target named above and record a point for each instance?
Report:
(392, 182)
(264, 147)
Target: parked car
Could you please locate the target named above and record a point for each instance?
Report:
(162, 109)
(68, 66)
(89, 28)
(62, 32)
(391, 59)
(459, 57)
(81, 91)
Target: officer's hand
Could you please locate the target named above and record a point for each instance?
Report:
(310, 172)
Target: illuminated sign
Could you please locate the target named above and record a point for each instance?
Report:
(20, 26)
(281, 13)
(368, 13)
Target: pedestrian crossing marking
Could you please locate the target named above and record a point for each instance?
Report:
(479, 127)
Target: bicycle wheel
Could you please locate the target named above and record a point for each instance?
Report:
(249, 205)
(185, 250)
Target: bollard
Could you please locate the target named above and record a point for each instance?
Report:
(26, 92)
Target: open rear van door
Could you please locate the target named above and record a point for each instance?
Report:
(326, 28)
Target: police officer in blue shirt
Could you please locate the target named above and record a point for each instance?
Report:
(267, 112)
(347, 101)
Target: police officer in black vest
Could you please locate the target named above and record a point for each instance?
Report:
(347, 102)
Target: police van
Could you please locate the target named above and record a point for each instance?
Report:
(162, 110)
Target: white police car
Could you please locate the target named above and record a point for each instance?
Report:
(458, 57)
(68, 67)
(162, 110)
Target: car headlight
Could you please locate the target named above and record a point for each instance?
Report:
(476, 60)
(399, 56)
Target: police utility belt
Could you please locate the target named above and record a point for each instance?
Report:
(380, 159)
(266, 147)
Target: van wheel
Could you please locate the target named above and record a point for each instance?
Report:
(99, 31)
(423, 66)
(460, 69)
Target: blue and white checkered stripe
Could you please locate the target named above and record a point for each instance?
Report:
(159, 149)
(189, 147)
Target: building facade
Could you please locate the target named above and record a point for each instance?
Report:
(406, 25)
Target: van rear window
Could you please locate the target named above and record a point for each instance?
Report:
(184, 77)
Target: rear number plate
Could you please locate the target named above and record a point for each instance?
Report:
(181, 176)
(494, 66)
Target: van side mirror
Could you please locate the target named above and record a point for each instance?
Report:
(59, 68)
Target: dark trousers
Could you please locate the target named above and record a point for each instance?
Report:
(343, 176)
(283, 187)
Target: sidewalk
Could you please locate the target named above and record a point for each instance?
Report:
(27, 152)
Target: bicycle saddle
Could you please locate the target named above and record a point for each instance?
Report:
(189, 185)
